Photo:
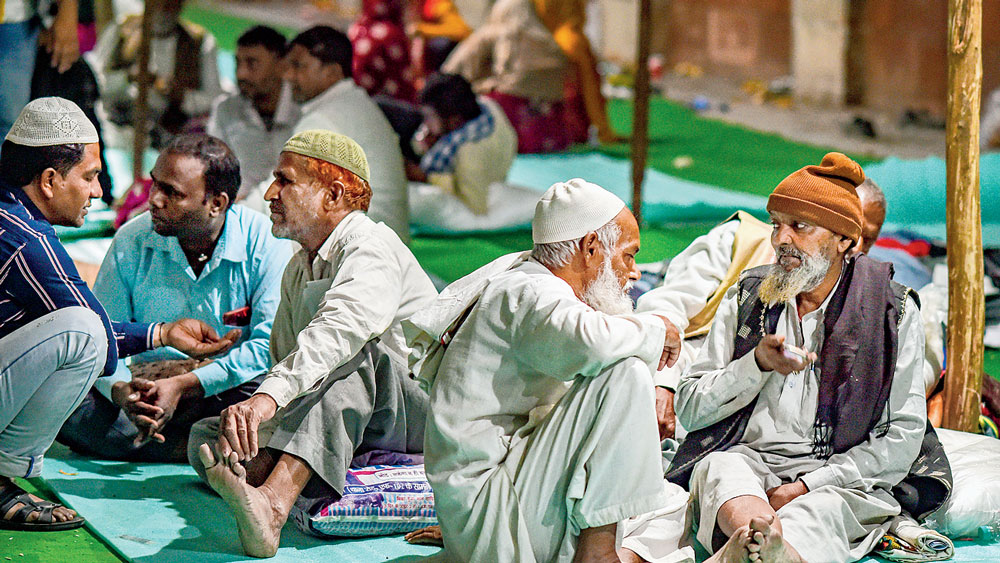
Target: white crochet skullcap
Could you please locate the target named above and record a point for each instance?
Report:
(52, 121)
(569, 210)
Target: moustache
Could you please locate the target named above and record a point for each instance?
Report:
(791, 251)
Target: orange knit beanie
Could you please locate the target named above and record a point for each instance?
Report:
(824, 195)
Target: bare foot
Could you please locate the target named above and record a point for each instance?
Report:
(258, 521)
(735, 550)
(767, 545)
(431, 535)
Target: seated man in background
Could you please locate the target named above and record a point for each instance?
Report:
(319, 69)
(470, 144)
(256, 122)
(697, 279)
(183, 62)
(541, 434)
(806, 403)
(55, 336)
(340, 377)
(193, 254)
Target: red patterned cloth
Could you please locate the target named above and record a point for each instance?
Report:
(381, 62)
(540, 127)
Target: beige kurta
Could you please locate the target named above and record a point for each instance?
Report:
(362, 283)
(541, 421)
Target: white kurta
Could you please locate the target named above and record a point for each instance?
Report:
(347, 109)
(235, 120)
(541, 421)
(777, 444)
(690, 280)
(362, 283)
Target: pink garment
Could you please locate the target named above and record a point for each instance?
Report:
(381, 62)
(136, 202)
(540, 127)
(87, 35)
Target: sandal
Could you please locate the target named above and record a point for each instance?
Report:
(12, 495)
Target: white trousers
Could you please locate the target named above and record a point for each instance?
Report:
(829, 524)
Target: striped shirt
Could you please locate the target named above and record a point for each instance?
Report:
(38, 277)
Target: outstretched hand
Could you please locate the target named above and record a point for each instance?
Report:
(196, 339)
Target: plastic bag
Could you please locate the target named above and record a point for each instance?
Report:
(378, 500)
(975, 499)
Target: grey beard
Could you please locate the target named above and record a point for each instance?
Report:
(780, 286)
(606, 294)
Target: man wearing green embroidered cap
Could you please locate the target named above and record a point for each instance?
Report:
(339, 372)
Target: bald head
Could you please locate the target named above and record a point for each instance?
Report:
(873, 208)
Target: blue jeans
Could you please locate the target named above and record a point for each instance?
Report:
(18, 47)
(46, 368)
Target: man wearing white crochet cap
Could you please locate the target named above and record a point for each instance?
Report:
(55, 337)
(541, 433)
(338, 385)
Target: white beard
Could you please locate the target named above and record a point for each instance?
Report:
(606, 294)
(780, 285)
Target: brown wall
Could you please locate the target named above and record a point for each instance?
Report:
(745, 39)
(902, 60)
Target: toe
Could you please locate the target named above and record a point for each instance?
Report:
(206, 456)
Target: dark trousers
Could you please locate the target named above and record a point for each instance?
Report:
(100, 429)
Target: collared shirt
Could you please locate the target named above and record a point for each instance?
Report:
(37, 277)
(347, 109)
(146, 276)
(236, 121)
(362, 283)
(781, 426)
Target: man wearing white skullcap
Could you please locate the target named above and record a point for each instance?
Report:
(55, 337)
(339, 376)
(541, 434)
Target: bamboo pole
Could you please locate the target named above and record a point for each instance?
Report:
(141, 117)
(966, 315)
(640, 113)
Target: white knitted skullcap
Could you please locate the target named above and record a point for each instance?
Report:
(569, 210)
(52, 121)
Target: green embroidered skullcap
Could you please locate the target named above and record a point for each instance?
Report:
(337, 149)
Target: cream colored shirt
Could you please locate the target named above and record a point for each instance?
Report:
(781, 426)
(361, 284)
(347, 109)
(482, 165)
(691, 279)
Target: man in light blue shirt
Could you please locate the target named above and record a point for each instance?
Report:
(193, 255)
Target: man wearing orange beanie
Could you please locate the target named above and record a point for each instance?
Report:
(806, 404)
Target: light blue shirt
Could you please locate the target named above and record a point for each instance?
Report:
(146, 276)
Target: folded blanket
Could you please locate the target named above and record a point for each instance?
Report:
(908, 541)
